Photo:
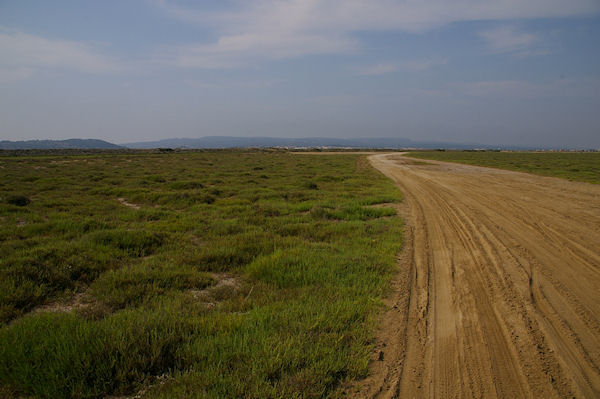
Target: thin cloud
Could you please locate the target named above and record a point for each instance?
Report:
(336, 100)
(376, 69)
(357, 15)
(391, 67)
(235, 84)
(507, 39)
(8, 75)
(200, 16)
(23, 53)
(421, 65)
(561, 88)
(237, 50)
(275, 29)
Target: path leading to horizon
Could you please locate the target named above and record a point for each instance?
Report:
(499, 286)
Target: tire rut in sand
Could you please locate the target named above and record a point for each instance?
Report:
(501, 276)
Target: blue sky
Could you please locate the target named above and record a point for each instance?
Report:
(502, 72)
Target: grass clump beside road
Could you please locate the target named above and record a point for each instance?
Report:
(578, 166)
(192, 274)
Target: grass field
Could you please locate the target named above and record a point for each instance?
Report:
(579, 166)
(193, 274)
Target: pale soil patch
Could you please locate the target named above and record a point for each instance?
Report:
(398, 207)
(226, 286)
(197, 241)
(66, 161)
(501, 298)
(156, 381)
(394, 205)
(78, 301)
(124, 202)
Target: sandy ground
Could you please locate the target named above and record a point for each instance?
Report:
(498, 293)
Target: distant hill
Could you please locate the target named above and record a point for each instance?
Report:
(57, 144)
(245, 142)
(261, 142)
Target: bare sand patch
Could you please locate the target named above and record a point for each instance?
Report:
(123, 201)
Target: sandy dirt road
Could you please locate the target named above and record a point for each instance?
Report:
(498, 293)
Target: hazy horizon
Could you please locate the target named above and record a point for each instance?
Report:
(489, 72)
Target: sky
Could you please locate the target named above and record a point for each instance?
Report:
(493, 72)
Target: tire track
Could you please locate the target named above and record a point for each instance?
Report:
(502, 281)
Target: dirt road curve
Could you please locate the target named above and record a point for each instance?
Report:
(499, 289)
